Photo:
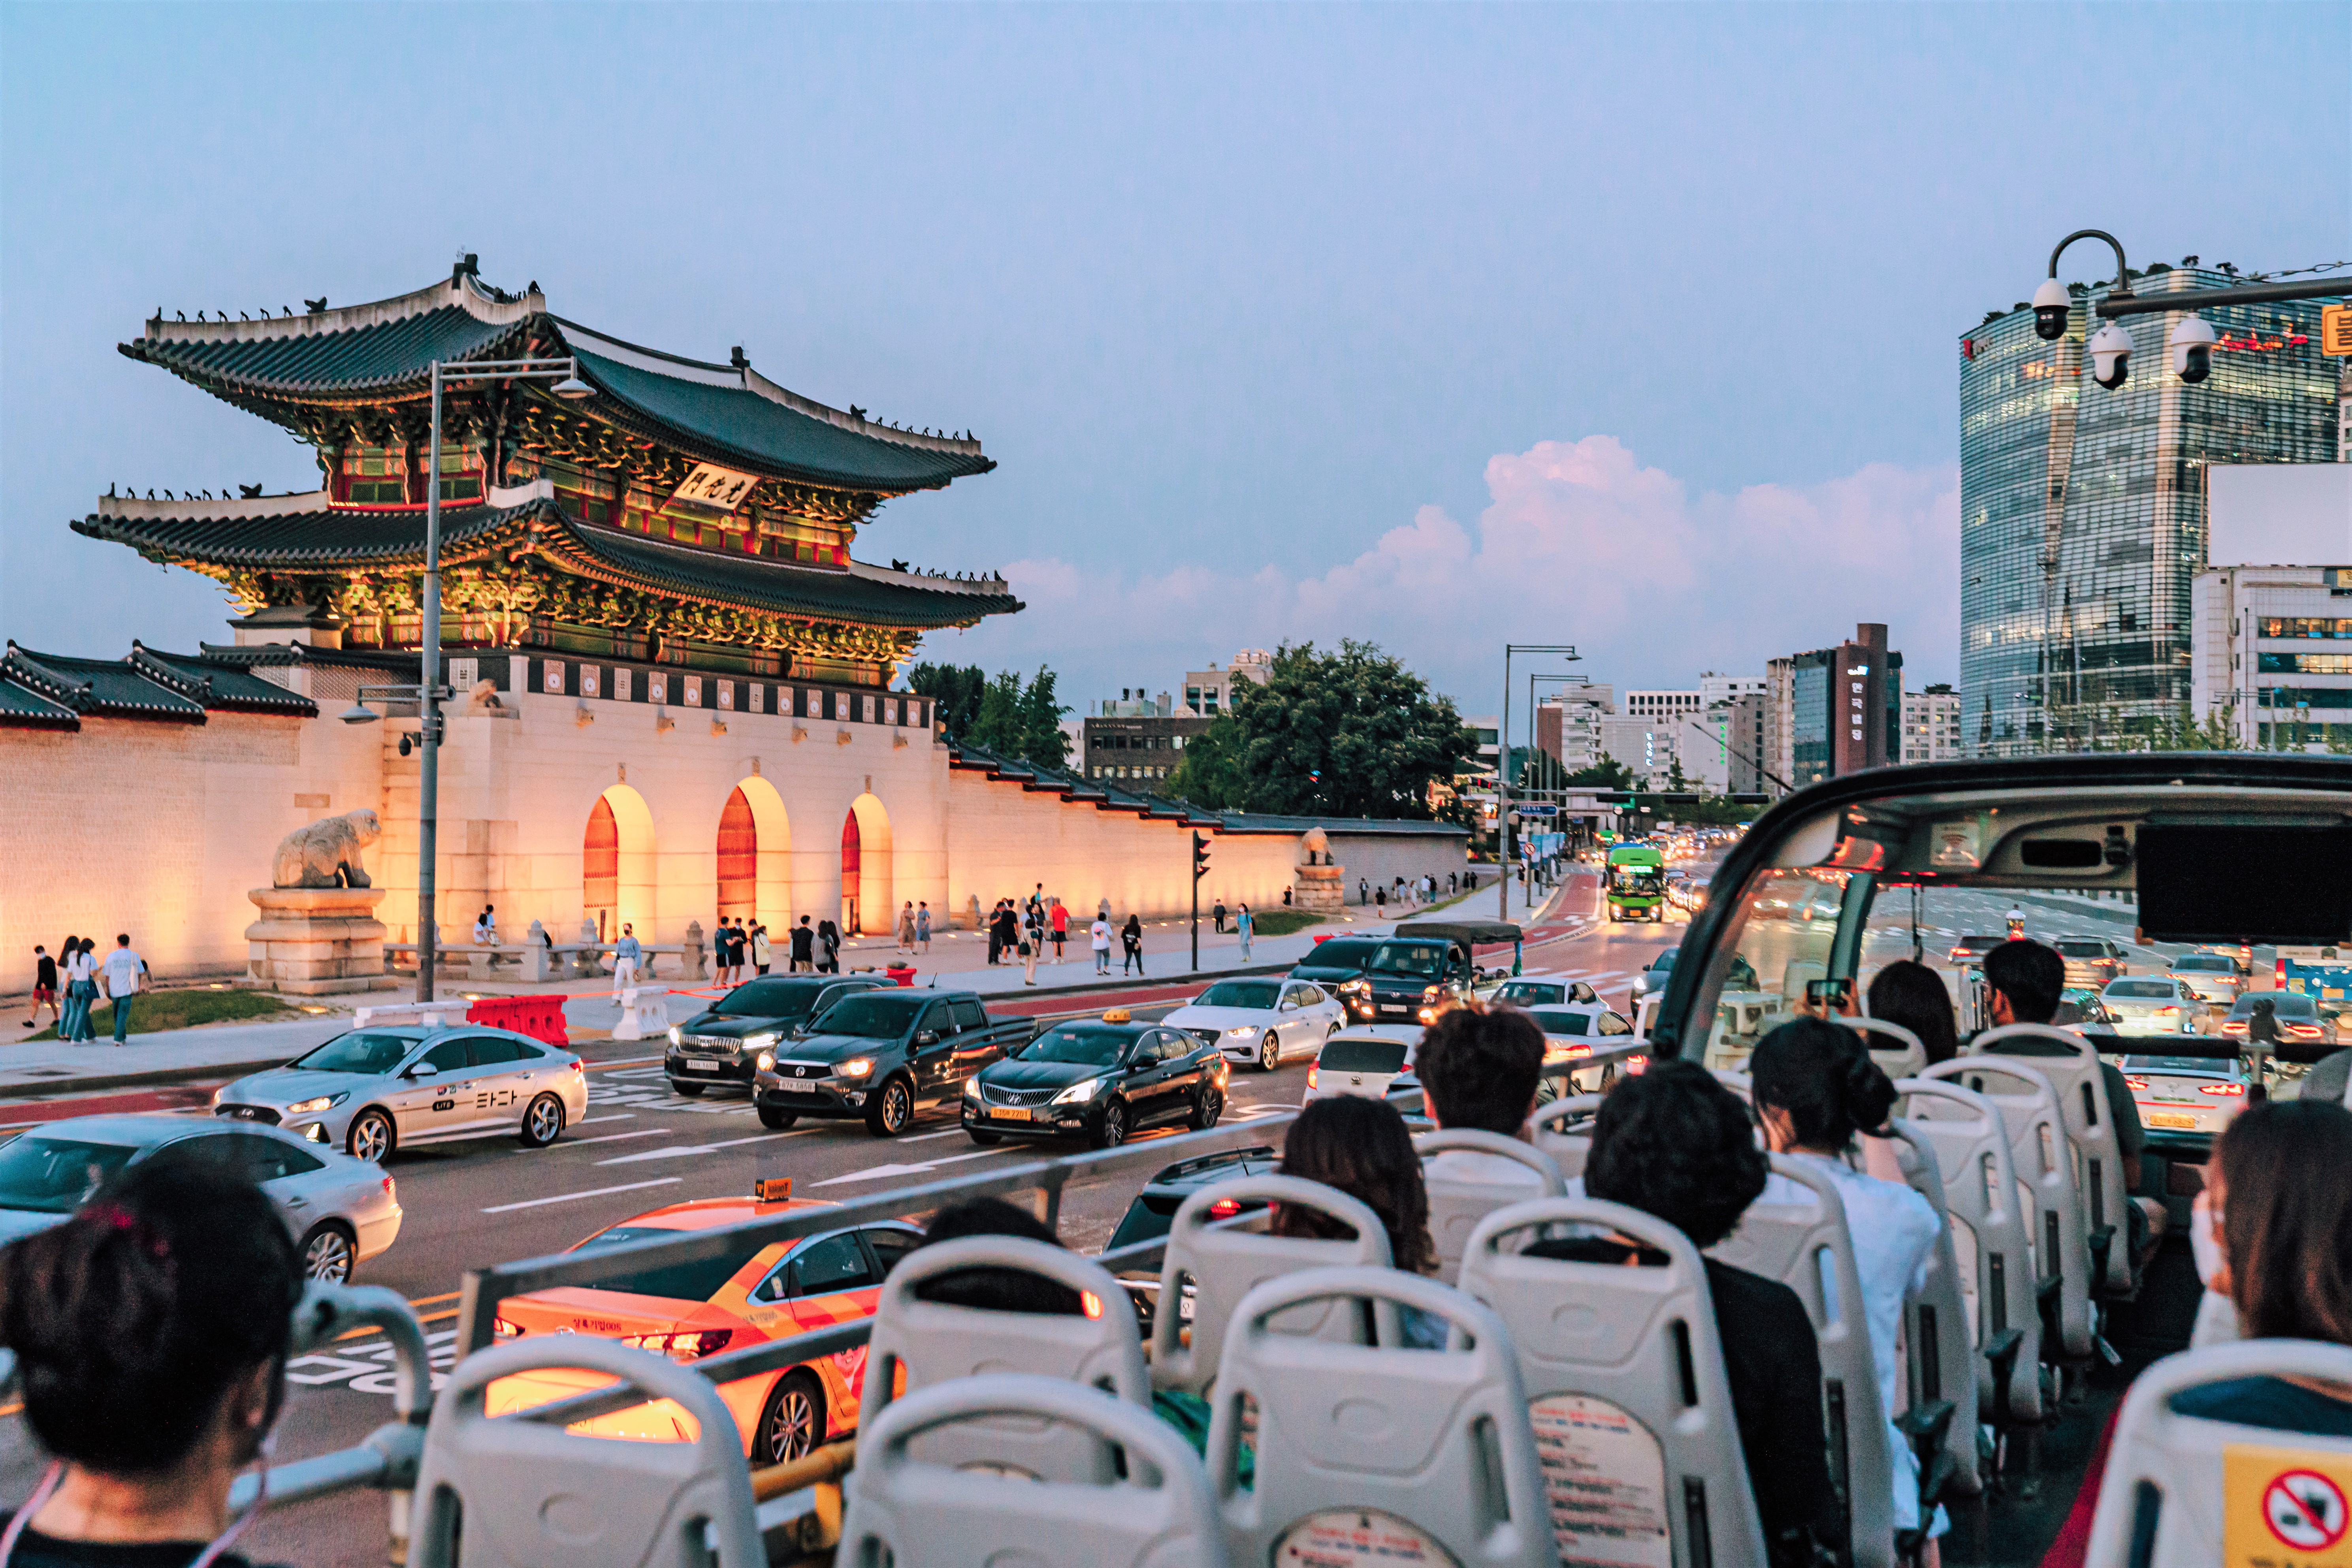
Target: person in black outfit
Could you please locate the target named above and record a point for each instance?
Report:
(150, 1331)
(828, 948)
(1131, 937)
(1676, 1143)
(1004, 929)
(1217, 914)
(803, 947)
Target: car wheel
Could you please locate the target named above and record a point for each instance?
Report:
(892, 1108)
(985, 1139)
(776, 1121)
(1111, 1131)
(691, 1091)
(1207, 1109)
(542, 1122)
(1269, 1053)
(328, 1254)
(793, 1422)
(370, 1136)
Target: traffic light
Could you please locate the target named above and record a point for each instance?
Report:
(1199, 857)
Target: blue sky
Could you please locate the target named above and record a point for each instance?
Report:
(1629, 326)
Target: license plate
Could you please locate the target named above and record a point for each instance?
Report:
(700, 1064)
(2174, 1119)
(1392, 1007)
(795, 1086)
(1011, 1113)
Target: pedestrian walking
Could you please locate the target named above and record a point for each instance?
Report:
(760, 951)
(1217, 916)
(1247, 927)
(85, 968)
(1061, 921)
(730, 954)
(995, 931)
(1381, 902)
(1028, 953)
(1131, 936)
(1099, 933)
(923, 927)
(627, 954)
(69, 981)
(1007, 927)
(803, 947)
(828, 948)
(1363, 891)
(45, 987)
(124, 968)
(907, 927)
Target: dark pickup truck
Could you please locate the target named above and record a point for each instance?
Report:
(883, 1056)
(1420, 967)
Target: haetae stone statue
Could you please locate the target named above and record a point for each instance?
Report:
(326, 854)
(318, 932)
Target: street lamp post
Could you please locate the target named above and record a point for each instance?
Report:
(1503, 766)
(428, 691)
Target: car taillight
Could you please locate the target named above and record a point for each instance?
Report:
(2221, 1088)
(2160, 1012)
(1225, 1208)
(1634, 1065)
(1314, 1074)
(2233, 1026)
(1579, 1050)
(691, 1344)
(504, 1329)
(576, 1067)
(1090, 1304)
(2304, 1031)
(387, 1186)
(2134, 1082)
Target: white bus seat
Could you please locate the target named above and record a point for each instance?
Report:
(935, 1341)
(1456, 1204)
(2167, 1497)
(1427, 1450)
(1991, 1235)
(1793, 1239)
(1902, 1059)
(2090, 1128)
(1935, 1329)
(1563, 1129)
(509, 1492)
(907, 1512)
(2042, 1162)
(1626, 1389)
(1222, 1263)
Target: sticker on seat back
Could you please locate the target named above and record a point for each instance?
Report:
(1606, 1480)
(2285, 1505)
(1351, 1537)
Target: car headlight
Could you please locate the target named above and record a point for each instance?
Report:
(1355, 987)
(1430, 993)
(765, 1061)
(676, 1035)
(303, 1107)
(1078, 1093)
(855, 1066)
(1243, 1032)
(758, 1042)
(972, 1089)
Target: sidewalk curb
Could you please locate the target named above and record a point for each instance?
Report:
(48, 1087)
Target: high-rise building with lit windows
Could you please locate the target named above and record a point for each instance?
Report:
(2083, 510)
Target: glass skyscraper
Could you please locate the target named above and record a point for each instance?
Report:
(2082, 511)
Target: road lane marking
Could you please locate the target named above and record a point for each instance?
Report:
(617, 1116)
(609, 1137)
(696, 1149)
(879, 1172)
(574, 1197)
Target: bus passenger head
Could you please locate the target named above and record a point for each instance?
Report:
(996, 1289)
(1361, 1146)
(1479, 1068)
(1911, 996)
(1816, 1086)
(2026, 979)
(1676, 1143)
(2281, 1193)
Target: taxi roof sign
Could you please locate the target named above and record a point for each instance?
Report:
(2335, 329)
(1119, 1016)
(771, 1189)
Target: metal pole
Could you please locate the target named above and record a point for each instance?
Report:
(428, 785)
(1503, 796)
(1193, 841)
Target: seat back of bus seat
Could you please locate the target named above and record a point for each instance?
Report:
(2043, 1163)
(1222, 1263)
(1898, 1052)
(1989, 1232)
(1401, 1450)
(1937, 1342)
(1796, 1233)
(1563, 1129)
(932, 1342)
(907, 1511)
(1457, 1203)
(509, 1492)
(2090, 1129)
(1626, 1390)
(2180, 1491)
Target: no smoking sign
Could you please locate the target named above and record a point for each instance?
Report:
(2286, 1508)
(2304, 1509)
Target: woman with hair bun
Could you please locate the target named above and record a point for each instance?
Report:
(151, 1333)
(1815, 1088)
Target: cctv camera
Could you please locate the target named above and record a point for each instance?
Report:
(2192, 349)
(2111, 349)
(2049, 306)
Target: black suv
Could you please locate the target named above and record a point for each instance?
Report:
(719, 1046)
(1342, 958)
(1097, 1080)
(1153, 1211)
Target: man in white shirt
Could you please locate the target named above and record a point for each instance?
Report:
(1479, 1069)
(1099, 933)
(123, 968)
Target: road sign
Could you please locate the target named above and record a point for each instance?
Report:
(2284, 1497)
(2335, 329)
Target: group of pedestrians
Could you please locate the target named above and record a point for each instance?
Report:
(915, 928)
(69, 982)
(734, 947)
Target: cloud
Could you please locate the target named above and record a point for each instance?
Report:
(1579, 543)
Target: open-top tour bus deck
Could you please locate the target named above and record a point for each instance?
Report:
(1575, 1413)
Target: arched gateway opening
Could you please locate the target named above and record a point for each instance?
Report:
(754, 849)
(866, 868)
(617, 864)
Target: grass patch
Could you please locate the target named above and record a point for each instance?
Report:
(154, 1011)
(1282, 923)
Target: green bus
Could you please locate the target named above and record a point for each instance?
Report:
(1637, 883)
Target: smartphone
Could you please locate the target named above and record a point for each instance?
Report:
(1830, 993)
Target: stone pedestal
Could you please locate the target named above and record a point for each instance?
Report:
(315, 942)
(1322, 889)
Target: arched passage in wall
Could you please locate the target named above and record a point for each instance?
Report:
(866, 868)
(616, 864)
(755, 844)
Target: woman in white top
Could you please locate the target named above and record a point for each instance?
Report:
(1815, 1088)
(82, 977)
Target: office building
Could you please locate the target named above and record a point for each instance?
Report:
(1209, 693)
(1931, 724)
(1662, 705)
(1834, 710)
(1568, 724)
(2083, 511)
(2272, 654)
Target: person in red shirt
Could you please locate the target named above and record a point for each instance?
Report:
(1061, 920)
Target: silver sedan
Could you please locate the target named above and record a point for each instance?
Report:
(377, 1089)
(340, 1211)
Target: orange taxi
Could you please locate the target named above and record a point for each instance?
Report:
(689, 1310)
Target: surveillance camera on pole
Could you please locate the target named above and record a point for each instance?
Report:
(2192, 349)
(2111, 349)
(2051, 306)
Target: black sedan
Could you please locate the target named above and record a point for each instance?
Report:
(1098, 1080)
(718, 1047)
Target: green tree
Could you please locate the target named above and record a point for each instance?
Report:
(954, 689)
(1043, 740)
(1208, 775)
(1352, 733)
(1606, 773)
(1006, 715)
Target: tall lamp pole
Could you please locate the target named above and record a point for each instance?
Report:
(1503, 766)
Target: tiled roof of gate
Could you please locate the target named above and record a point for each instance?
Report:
(167, 687)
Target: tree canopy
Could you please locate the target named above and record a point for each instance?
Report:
(1003, 714)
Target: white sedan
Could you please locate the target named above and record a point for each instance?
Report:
(1262, 1021)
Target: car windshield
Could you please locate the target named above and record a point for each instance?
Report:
(697, 1282)
(1095, 1045)
(770, 999)
(1635, 878)
(359, 1052)
(1561, 1022)
(871, 1015)
(1422, 960)
(1339, 953)
(52, 1175)
(2141, 988)
(1523, 992)
(2286, 1005)
(1663, 961)
(1258, 994)
(2077, 948)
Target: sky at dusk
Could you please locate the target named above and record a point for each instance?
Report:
(1627, 326)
